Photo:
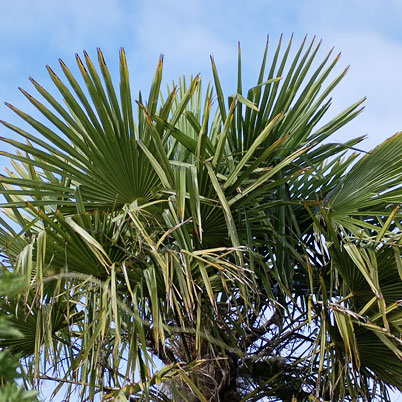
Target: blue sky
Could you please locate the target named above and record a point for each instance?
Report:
(34, 33)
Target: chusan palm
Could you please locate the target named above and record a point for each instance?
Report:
(182, 247)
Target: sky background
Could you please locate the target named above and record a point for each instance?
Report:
(34, 33)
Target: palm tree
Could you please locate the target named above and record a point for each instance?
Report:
(203, 250)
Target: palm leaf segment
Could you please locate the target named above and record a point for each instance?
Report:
(196, 228)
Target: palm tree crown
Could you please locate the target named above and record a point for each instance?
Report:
(185, 247)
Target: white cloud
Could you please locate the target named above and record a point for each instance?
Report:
(375, 73)
(366, 32)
